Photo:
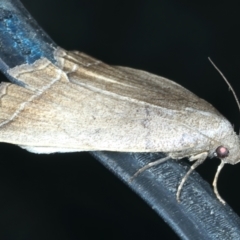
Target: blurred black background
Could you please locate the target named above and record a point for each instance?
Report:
(71, 196)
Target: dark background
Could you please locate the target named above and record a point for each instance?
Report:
(71, 196)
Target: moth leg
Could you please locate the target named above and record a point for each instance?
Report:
(200, 159)
(215, 183)
(149, 165)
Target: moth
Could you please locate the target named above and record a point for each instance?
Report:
(82, 104)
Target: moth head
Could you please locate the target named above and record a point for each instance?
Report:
(222, 152)
(229, 152)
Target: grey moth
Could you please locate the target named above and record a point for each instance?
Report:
(82, 104)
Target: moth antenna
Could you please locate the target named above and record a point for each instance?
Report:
(225, 79)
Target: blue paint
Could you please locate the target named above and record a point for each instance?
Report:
(22, 40)
(19, 39)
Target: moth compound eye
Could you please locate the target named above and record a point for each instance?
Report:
(222, 152)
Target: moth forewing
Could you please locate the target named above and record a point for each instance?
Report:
(82, 104)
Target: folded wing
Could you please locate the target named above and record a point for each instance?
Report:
(83, 104)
